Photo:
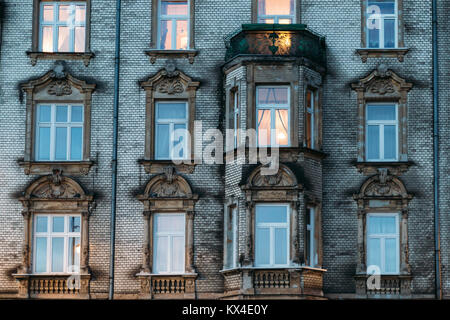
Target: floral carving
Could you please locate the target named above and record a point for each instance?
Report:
(171, 86)
(280, 179)
(60, 87)
(382, 87)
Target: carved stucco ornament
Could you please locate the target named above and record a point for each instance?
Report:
(59, 88)
(283, 178)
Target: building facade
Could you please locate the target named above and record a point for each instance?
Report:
(341, 92)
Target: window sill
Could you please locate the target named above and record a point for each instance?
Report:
(158, 166)
(85, 56)
(366, 53)
(174, 54)
(43, 168)
(369, 168)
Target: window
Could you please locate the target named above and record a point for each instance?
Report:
(382, 24)
(59, 132)
(310, 119)
(173, 26)
(383, 242)
(272, 235)
(235, 116)
(272, 112)
(382, 132)
(169, 243)
(231, 238)
(57, 243)
(171, 130)
(276, 11)
(62, 26)
(312, 258)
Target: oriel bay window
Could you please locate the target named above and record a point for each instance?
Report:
(276, 11)
(273, 116)
(173, 29)
(310, 119)
(382, 132)
(382, 24)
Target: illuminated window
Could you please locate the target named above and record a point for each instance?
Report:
(382, 24)
(276, 11)
(173, 25)
(272, 116)
(62, 27)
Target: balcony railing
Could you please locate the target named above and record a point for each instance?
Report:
(158, 286)
(291, 40)
(386, 286)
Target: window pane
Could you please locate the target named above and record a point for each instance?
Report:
(374, 252)
(64, 12)
(262, 252)
(373, 141)
(63, 39)
(275, 7)
(182, 34)
(61, 114)
(44, 144)
(282, 127)
(382, 225)
(80, 39)
(390, 142)
(178, 249)
(41, 224)
(47, 39)
(390, 255)
(74, 224)
(74, 254)
(58, 224)
(162, 141)
(171, 111)
(47, 13)
(271, 214)
(77, 114)
(281, 246)
(169, 223)
(389, 33)
(180, 143)
(264, 127)
(381, 112)
(57, 254)
(61, 144)
(80, 14)
(166, 35)
(41, 255)
(374, 33)
(177, 8)
(76, 143)
(385, 6)
(45, 113)
(308, 129)
(284, 21)
(161, 251)
(273, 95)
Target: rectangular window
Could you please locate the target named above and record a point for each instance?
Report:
(383, 242)
(235, 116)
(382, 24)
(272, 235)
(169, 243)
(231, 238)
(273, 116)
(173, 25)
(276, 11)
(62, 26)
(310, 119)
(382, 132)
(171, 126)
(312, 258)
(59, 132)
(56, 243)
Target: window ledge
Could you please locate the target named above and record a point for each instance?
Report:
(174, 54)
(370, 168)
(85, 56)
(43, 168)
(158, 166)
(366, 53)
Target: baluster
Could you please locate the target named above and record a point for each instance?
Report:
(182, 285)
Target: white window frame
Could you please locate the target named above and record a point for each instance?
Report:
(381, 124)
(236, 117)
(232, 222)
(171, 123)
(53, 125)
(382, 18)
(276, 18)
(382, 238)
(174, 19)
(170, 235)
(311, 227)
(311, 109)
(55, 24)
(49, 235)
(272, 227)
(273, 108)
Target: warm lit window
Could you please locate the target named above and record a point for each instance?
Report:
(383, 242)
(276, 11)
(272, 235)
(59, 132)
(231, 238)
(62, 26)
(311, 238)
(310, 119)
(173, 25)
(171, 130)
(56, 243)
(272, 116)
(169, 243)
(382, 132)
(382, 24)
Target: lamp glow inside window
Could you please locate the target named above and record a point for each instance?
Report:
(56, 243)
(382, 132)
(276, 11)
(173, 25)
(62, 26)
(59, 132)
(272, 116)
(382, 24)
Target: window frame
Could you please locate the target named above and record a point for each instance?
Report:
(312, 109)
(382, 237)
(382, 18)
(231, 237)
(381, 124)
(236, 110)
(295, 17)
(272, 227)
(310, 242)
(173, 18)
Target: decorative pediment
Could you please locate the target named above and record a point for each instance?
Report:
(167, 185)
(170, 82)
(284, 178)
(383, 185)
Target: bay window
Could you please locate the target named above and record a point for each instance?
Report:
(310, 111)
(173, 26)
(382, 132)
(382, 24)
(236, 117)
(276, 11)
